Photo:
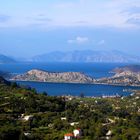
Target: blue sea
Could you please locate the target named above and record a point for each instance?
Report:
(95, 70)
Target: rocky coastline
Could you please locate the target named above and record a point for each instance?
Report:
(59, 77)
(125, 76)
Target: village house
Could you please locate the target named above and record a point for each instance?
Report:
(74, 123)
(108, 134)
(63, 118)
(68, 136)
(27, 118)
(77, 133)
(27, 133)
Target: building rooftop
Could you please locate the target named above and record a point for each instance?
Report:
(69, 134)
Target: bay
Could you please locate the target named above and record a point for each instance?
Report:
(77, 89)
(95, 70)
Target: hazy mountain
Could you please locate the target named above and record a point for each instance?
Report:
(6, 59)
(86, 56)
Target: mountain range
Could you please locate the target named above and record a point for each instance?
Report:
(6, 59)
(77, 56)
(87, 56)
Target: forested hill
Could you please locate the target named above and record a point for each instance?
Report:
(27, 115)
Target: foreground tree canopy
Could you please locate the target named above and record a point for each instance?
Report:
(27, 115)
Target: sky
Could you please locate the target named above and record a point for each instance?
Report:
(33, 27)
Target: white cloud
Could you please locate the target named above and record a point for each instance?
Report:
(89, 12)
(74, 13)
(79, 40)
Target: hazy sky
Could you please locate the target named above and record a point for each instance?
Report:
(31, 27)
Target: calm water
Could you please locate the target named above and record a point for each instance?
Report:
(95, 70)
(77, 89)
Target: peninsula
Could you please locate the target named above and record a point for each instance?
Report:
(126, 76)
(59, 77)
(123, 76)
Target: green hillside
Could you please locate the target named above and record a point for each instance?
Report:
(26, 115)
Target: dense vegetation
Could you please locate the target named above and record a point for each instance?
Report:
(95, 117)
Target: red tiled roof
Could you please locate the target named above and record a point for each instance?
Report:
(69, 134)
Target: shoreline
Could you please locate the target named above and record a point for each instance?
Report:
(106, 84)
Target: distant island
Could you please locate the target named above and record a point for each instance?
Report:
(124, 76)
(128, 76)
(59, 77)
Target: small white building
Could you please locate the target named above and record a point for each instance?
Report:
(108, 134)
(74, 123)
(63, 118)
(27, 133)
(77, 133)
(137, 97)
(68, 136)
(27, 118)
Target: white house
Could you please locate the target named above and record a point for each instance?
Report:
(63, 118)
(108, 134)
(137, 97)
(74, 123)
(68, 136)
(77, 133)
(27, 134)
(27, 118)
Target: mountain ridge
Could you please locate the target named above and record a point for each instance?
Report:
(86, 56)
(6, 59)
